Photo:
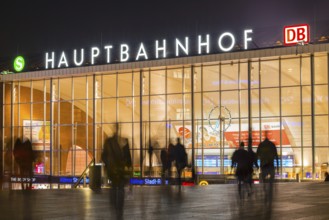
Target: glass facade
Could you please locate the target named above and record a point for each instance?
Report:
(211, 107)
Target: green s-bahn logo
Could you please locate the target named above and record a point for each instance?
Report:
(19, 64)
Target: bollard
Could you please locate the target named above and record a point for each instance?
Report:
(95, 177)
(297, 178)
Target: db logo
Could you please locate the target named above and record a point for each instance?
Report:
(296, 34)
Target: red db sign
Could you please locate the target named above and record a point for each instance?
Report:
(296, 34)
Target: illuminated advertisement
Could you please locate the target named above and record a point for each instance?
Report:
(39, 131)
(208, 138)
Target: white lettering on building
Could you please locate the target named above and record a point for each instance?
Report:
(181, 47)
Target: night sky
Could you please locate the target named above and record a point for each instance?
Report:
(35, 27)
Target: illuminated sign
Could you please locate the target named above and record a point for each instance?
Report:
(19, 64)
(147, 181)
(179, 47)
(296, 34)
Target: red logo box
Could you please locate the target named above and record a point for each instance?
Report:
(295, 34)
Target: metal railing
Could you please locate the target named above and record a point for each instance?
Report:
(92, 162)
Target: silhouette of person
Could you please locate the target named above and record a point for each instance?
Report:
(266, 153)
(326, 175)
(116, 157)
(150, 151)
(252, 163)
(164, 161)
(24, 157)
(181, 159)
(171, 157)
(241, 160)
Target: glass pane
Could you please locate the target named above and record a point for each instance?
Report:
(197, 106)
(109, 85)
(47, 87)
(90, 87)
(210, 102)
(243, 75)
(136, 84)
(15, 93)
(158, 82)
(290, 101)
(98, 112)
(270, 105)
(321, 69)
(7, 95)
(307, 161)
(65, 89)
(90, 111)
(290, 72)
(306, 71)
(230, 100)
(187, 107)
(187, 79)
(291, 131)
(255, 102)
(109, 110)
(269, 73)
(321, 158)
(66, 146)
(24, 112)
(211, 78)
(38, 111)
(175, 107)
(321, 131)
(244, 103)
(65, 113)
(145, 84)
(197, 79)
(125, 84)
(7, 115)
(307, 132)
(158, 134)
(55, 90)
(136, 107)
(80, 111)
(174, 80)
(25, 92)
(79, 87)
(125, 113)
(254, 74)
(306, 102)
(229, 76)
(38, 91)
(145, 108)
(137, 134)
(321, 99)
(157, 108)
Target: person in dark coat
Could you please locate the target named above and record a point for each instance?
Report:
(181, 159)
(116, 157)
(164, 161)
(24, 157)
(241, 160)
(252, 163)
(326, 175)
(171, 157)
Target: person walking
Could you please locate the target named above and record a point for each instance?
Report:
(267, 153)
(241, 161)
(252, 163)
(181, 159)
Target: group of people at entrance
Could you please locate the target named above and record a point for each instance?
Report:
(174, 153)
(245, 160)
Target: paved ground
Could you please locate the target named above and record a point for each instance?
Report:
(291, 201)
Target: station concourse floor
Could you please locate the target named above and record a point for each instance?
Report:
(290, 201)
